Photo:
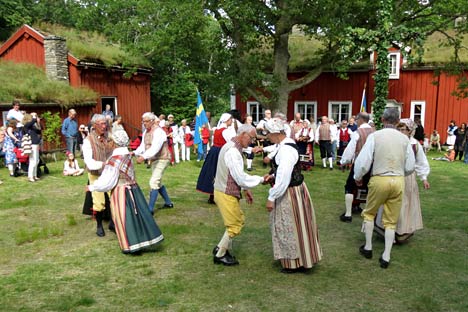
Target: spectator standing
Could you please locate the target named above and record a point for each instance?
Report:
(323, 137)
(344, 136)
(334, 138)
(30, 121)
(186, 140)
(9, 144)
(16, 114)
(175, 138)
(296, 124)
(352, 124)
(118, 124)
(70, 131)
(460, 141)
(419, 131)
(108, 113)
(452, 127)
(205, 137)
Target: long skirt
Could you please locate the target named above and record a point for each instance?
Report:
(134, 224)
(410, 219)
(207, 175)
(294, 230)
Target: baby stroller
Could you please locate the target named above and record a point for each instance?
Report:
(23, 162)
(42, 167)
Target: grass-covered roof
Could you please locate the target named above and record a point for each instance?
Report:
(93, 47)
(29, 84)
(302, 50)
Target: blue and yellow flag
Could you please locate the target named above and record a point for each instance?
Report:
(363, 101)
(200, 119)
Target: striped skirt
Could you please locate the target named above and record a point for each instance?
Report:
(294, 229)
(134, 224)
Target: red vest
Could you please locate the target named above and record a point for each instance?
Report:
(344, 135)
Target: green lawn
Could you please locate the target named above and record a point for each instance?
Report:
(51, 259)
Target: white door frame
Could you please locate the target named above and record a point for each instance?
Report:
(423, 110)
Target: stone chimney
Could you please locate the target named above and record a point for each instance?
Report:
(56, 54)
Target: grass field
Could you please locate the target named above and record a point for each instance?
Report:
(51, 259)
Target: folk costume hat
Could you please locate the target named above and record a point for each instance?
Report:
(120, 138)
(224, 117)
(274, 125)
(409, 124)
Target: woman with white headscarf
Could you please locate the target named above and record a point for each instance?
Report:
(221, 135)
(292, 217)
(134, 225)
(410, 219)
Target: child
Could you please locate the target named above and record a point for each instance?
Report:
(205, 136)
(71, 167)
(449, 156)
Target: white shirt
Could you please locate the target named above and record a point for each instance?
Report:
(110, 175)
(159, 137)
(366, 156)
(235, 163)
(88, 156)
(17, 115)
(334, 133)
(421, 166)
(183, 130)
(350, 150)
(286, 158)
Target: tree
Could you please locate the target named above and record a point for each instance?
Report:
(259, 32)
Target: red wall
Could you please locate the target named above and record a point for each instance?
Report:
(26, 49)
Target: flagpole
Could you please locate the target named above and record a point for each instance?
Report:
(363, 99)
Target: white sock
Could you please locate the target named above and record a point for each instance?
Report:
(349, 204)
(324, 160)
(249, 163)
(223, 245)
(368, 229)
(389, 238)
(330, 160)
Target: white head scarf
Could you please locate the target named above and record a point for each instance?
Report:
(120, 138)
(274, 125)
(224, 117)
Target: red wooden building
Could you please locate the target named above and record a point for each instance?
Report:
(416, 91)
(128, 96)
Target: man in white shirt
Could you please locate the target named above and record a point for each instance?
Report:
(154, 148)
(391, 157)
(15, 113)
(230, 180)
(358, 139)
(334, 137)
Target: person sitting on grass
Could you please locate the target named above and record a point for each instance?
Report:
(449, 156)
(71, 167)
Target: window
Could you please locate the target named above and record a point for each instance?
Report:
(339, 110)
(418, 110)
(394, 59)
(307, 109)
(256, 111)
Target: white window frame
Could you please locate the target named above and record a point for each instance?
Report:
(423, 110)
(260, 111)
(4, 115)
(394, 59)
(341, 103)
(304, 112)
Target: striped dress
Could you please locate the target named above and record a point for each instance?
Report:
(292, 222)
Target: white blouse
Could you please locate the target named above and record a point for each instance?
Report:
(110, 175)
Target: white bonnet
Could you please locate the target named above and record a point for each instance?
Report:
(120, 138)
(274, 125)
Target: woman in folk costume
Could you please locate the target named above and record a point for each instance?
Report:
(410, 219)
(134, 225)
(292, 217)
(221, 135)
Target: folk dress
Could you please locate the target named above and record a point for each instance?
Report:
(134, 224)
(292, 221)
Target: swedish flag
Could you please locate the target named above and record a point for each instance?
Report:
(200, 119)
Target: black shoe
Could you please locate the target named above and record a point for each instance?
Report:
(249, 169)
(291, 271)
(331, 168)
(383, 264)
(356, 210)
(215, 250)
(100, 231)
(366, 253)
(111, 227)
(344, 218)
(227, 260)
(171, 205)
(211, 201)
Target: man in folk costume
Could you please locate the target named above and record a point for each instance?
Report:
(344, 137)
(154, 148)
(296, 124)
(97, 148)
(230, 180)
(358, 139)
(389, 156)
(323, 137)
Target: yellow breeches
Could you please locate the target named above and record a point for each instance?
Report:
(386, 191)
(231, 212)
(99, 200)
